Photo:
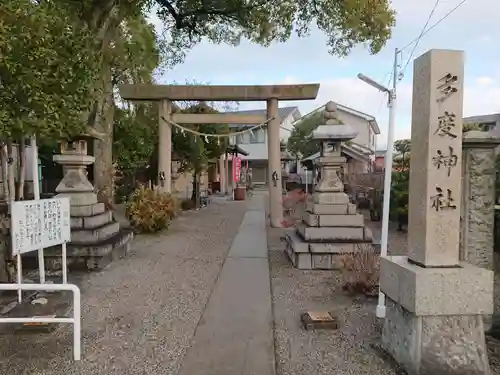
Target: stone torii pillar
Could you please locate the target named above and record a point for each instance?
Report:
(274, 166)
(226, 171)
(164, 146)
(222, 174)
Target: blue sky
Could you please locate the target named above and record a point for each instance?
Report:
(472, 28)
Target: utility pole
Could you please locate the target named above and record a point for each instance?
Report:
(391, 103)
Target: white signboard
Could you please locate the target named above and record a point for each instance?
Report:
(39, 224)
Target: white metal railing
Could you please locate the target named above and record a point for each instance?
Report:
(75, 320)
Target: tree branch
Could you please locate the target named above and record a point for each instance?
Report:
(189, 20)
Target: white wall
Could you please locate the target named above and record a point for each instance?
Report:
(287, 124)
(365, 135)
(258, 151)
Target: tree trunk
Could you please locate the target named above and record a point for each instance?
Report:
(22, 171)
(5, 174)
(195, 195)
(103, 149)
(11, 171)
(4, 239)
(104, 19)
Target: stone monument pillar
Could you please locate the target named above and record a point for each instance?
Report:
(435, 302)
(331, 227)
(274, 166)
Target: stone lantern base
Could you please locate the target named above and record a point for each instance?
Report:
(96, 237)
(330, 226)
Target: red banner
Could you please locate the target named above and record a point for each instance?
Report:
(236, 169)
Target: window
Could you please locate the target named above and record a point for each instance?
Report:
(258, 136)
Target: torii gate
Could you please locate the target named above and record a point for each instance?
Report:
(166, 94)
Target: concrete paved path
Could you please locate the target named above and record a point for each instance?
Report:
(140, 314)
(235, 333)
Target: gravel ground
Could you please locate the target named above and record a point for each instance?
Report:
(140, 314)
(347, 351)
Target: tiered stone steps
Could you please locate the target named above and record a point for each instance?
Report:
(330, 228)
(96, 240)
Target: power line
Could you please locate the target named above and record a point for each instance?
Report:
(417, 41)
(437, 23)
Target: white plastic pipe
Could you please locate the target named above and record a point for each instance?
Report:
(76, 320)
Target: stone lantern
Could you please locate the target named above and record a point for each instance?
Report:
(74, 160)
(331, 162)
(96, 237)
(330, 226)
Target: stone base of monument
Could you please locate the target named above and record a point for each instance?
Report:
(327, 233)
(96, 240)
(330, 226)
(434, 316)
(96, 237)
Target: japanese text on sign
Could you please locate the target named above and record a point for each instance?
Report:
(442, 201)
(448, 161)
(447, 86)
(39, 224)
(446, 127)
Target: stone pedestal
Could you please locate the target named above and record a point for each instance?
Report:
(96, 237)
(435, 302)
(434, 316)
(330, 225)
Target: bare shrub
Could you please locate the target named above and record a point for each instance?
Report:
(360, 270)
(291, 202)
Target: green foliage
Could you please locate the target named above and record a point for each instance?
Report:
(135, 137)
(345, 23)
(194, 151)
(399, 193)
(401, 159)
(298, 142)
(134, 54)
(47, 68)
(150, 210)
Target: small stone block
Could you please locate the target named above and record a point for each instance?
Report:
(351, 209)
(330, 198)
(328, 209)
(324, 262)
(318, 320)
(296, 243)
(95, 234)
(300, 261)
(327, 234)
(332, 248)
(313, 220)
(90, 210)
(80, 199)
